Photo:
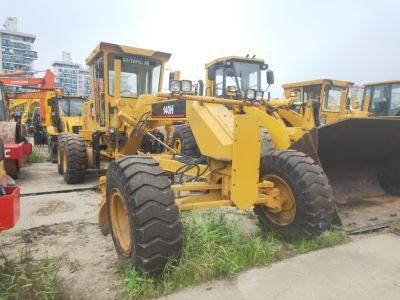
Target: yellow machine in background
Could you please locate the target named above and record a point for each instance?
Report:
(58, 113)
(382, 98)
(145, 189)
(357, 151)
(23, 110)
(332, 98)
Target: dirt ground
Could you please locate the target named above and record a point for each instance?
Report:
(64, 226)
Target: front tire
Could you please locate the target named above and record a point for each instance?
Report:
(145, 223)
(183, 141)
(60, 151)
(308, 207)
(74, 159)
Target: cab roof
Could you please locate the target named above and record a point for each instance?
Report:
(121, 49)
(317, 82)
(382, 82)
(237, 58)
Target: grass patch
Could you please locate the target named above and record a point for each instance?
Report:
(217, 247)
(329, 238)
(26, 278)
(38, 156)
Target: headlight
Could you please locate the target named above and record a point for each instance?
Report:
(186, 86)
(250, 94)
(259, 95)
(175, 86)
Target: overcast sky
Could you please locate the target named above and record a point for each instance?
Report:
(351, 40)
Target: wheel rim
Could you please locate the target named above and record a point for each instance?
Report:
(288, 212)
(65, 161)
(120, 222)
(177, 146)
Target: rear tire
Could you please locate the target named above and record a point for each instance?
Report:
(313, 199)
(147, 232)
(52, 147)
(183, 136)
(60, 150)
(74, 159)
(11, 167)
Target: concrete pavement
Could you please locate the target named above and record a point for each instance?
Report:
(368, 268)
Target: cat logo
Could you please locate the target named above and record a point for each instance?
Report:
(7, 153)
(168, 110)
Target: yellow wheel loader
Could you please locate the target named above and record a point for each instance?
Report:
(143, 192)
(356, 147)
(320, 121)
(382, 99)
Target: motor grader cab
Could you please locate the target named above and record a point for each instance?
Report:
(61, 113)
(143, 193)
(320, 122)
(382, 99)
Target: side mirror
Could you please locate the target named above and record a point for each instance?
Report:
(270, 77)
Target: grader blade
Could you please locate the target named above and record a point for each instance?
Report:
(362, 160)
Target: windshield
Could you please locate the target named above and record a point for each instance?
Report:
(139, 75)
(395, 100)
(70, 107)
(241, 75)
(332, 98)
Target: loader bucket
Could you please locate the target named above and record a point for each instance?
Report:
(361, 157)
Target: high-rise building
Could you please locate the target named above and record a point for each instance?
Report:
(16, 48)
(71, 77)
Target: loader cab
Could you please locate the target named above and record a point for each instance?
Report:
(241, 78)
(332, 96)
(382, 98)
(122, 74)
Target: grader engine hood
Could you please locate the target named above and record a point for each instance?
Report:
(362, 161)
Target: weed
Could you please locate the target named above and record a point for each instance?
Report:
(27, 279)
(38, 156)
(217, 247)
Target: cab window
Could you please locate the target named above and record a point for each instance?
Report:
(139, 75)
(332, 98)
(98, 72)
(378, 105)
(312, 92)
(219, 82)
(395, 100)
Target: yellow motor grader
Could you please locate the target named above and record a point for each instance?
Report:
(146, 187)
(357, 150)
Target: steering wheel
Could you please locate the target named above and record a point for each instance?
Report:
(128, 92)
